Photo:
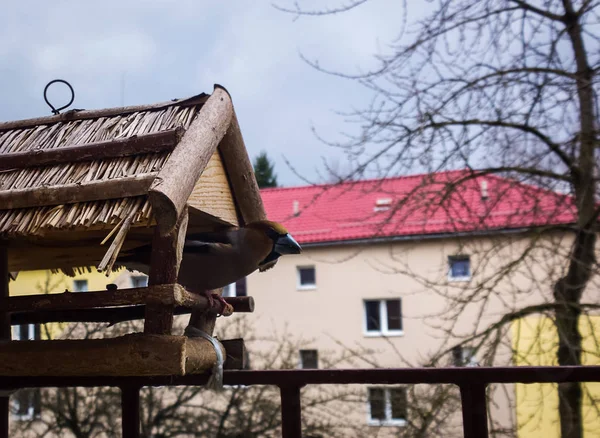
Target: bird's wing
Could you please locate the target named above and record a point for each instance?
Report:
(268, 263)
(209, 243)
(209, 248)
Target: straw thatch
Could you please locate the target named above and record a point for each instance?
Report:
(97, 214)
(119, 176)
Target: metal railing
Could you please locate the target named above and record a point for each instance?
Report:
(471, 381)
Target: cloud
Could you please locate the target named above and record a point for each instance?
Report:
(131, 51)
(162, 49)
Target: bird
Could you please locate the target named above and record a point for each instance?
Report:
(212, 260)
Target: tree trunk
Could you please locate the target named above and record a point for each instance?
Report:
(568, 290)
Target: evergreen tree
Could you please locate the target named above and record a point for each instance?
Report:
(263, 169)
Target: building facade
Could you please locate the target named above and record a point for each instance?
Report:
(399, 273)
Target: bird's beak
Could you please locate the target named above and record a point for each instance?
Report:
(287, 245)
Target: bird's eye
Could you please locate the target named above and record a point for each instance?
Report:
(272, 233)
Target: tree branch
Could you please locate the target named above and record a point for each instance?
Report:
(536, 10)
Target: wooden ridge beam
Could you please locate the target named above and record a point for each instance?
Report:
(72, 193)
(123, 147)
(175, 182)
(106, 112)
(114, 315)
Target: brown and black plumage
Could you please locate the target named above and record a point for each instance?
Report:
(215, 259)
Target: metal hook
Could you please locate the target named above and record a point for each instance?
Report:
(55, 110)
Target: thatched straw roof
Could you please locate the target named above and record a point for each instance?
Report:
(94, 174)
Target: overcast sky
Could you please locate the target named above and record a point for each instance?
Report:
(162, 49)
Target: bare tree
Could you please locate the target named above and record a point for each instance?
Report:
(170, 412)
(239, 411)
(497, 87)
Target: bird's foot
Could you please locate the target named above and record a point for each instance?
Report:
(225, 309)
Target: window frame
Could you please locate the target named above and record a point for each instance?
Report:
(81, 280)
(16, 334)
(138, 276)
(459, 257)
(383, 315)
(301, 362)
(230, 290)
(299, 285)
(33, 411)
(388, 421)
(464, 356)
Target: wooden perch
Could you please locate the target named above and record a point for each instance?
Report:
(176, 180)
(125, 147)
(130, 355)
(72, 193)
(241, 174)
(163, 295)
(114, 315)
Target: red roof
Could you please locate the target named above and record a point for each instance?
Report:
(414, 205)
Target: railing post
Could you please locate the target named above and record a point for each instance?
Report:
(291, 412)
(130, 411)
(474, 410)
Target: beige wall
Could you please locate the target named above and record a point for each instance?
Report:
(348, 275)
(332, 314)
(330, 317)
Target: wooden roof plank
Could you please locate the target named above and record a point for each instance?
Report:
(73, 193)
(124, 147)
(175, 182)
(240, 174)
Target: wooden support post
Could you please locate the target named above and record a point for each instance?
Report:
(5, 334)
(203, 319)
(167, 252)
(130, 411)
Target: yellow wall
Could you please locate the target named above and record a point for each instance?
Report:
(40, 282)
(535, 343)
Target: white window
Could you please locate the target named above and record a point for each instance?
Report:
(309, 359)
(229, 290)
(459, 268)
(237, 289)
(383, 317)
(26, 332)
(387, 406)
(464, 357)
(80, 285)
(139, 280)
(306, 277)
(26, 404)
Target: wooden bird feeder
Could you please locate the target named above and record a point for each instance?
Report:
(78, 188)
